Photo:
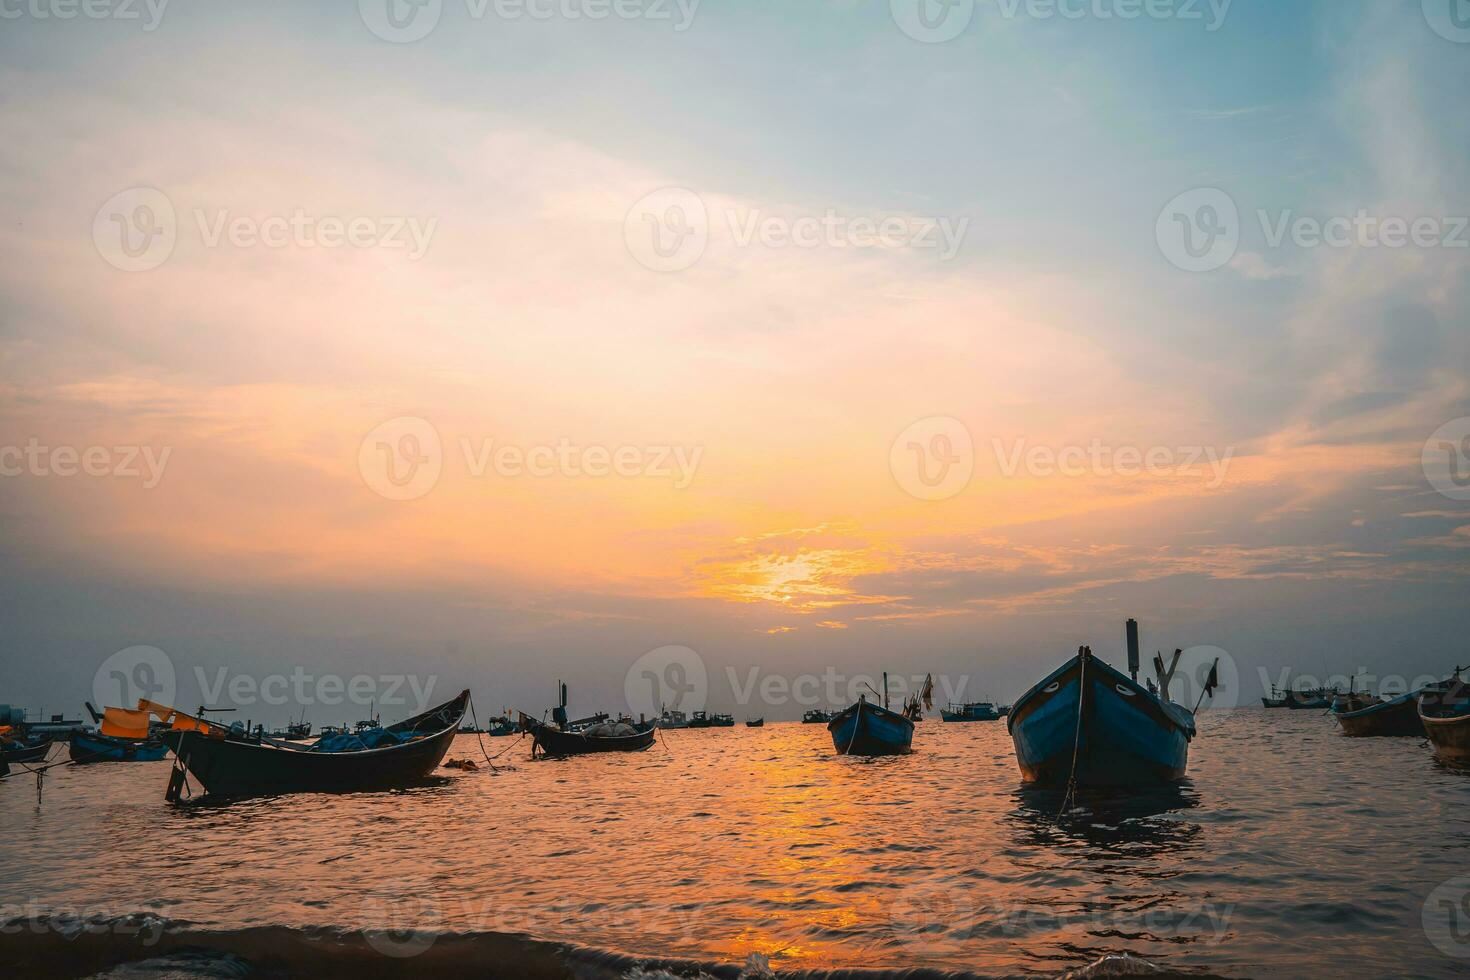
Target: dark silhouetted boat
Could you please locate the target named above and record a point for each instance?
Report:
(1363, 715)
(1311, 699)
(870, 728)
(23, 750)
(227, 762)
(755, 723)
(699, 719)
(722, 721)
(975, 711)
(1088, 724)
(587, 736)
(816, 716)
(1445, 715)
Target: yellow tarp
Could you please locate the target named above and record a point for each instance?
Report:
(176, 718)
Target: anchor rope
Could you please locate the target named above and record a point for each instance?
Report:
(1077, 741)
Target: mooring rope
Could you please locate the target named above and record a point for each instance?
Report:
(480, 737)
(1077, 741)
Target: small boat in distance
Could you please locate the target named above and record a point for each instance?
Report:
(722, 721)
(755, 723)
(1088, 724)
(699, 719)
(816, 716)
(974, 711)
(1445, 714)
(1311, 699)
(874, 729)
(673, 719)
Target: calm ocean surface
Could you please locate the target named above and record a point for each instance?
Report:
(1291, 852)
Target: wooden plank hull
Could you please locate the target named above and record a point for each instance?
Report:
(871, 729)
(87, 747)
(1396, 718)
(1126, 736)
(235, 767)
(1449, 733)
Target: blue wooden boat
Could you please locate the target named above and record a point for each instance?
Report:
(1089, 724)
(868, 728)
(96, 747)
(976, 711)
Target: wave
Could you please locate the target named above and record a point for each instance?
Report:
(147, 947)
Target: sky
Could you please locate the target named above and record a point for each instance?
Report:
(490, 344)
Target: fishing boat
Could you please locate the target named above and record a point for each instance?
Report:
(699, 719)
(1445, 715)
(585, 736)
(1311, 699)
(228, 762)
(1276, 699)
(17, 748)
(1363, 715)
(816, 716)
(95, 747)
(673, 719)
(1088, 724)
(722, 721)
(872, 728)
(123, 735)
(974, 711)
(755, 723)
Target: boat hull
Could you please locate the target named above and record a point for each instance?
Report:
(232, 767)
(26, 753)
(1126, 736)
(553, 742)
(88, 748)
(1448, 731)
(968, 716)
(869, 729)
(1396, 718)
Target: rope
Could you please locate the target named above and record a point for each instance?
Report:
(480, 737)
(1077, 742)
(857, 721)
